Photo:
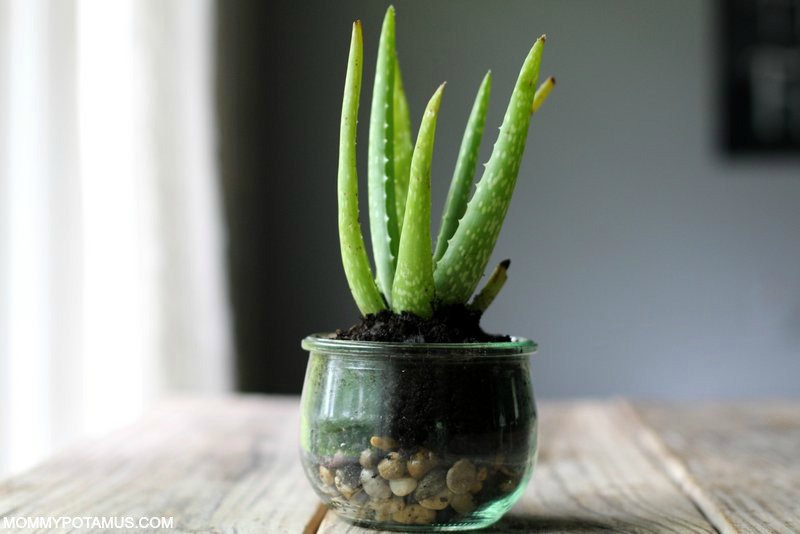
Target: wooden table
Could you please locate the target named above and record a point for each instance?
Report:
(231, 465)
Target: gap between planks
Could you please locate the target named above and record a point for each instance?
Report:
(738, 460)
(595, 473)
(679, 474)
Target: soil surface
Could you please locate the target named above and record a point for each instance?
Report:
(449, 324)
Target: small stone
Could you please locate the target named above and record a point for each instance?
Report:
(463, 503)
(390, 505)
(415, 515)
(345, 490)
(508, 471)
(383, 443)
(403, 486)
(340, 459)
(461, 476)
(392, 467)
(421, 463)
(359, 498)
(384, 508)
(375, 486)
(476, 487)
(325, 475)
(483, 473)
(432, 484)
(369, 458)
(346, 480)
(440, 501)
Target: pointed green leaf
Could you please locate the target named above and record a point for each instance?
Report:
(403, 146)
(354, 255)
(413, 282)
(382, 208)
(460, 186)
(460, 269)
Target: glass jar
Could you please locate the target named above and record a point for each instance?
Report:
(428, 437)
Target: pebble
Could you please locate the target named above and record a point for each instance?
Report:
(476, 487)
(385, 508)
(359, 498)
(340, 459)
(421, 463)
(373, 485)
(461, 476)
(325, 475)
(507, 471)
(392, 467)
(440, 501)
(384, 443)
(379, 482)
(463, 503)
(483, 473)
(415, 514)
(369, 458)
(403, 486)
(432, 484)
(346, 480)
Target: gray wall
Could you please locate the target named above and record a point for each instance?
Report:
(645, 261)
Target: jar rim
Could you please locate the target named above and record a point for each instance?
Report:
(325, 343)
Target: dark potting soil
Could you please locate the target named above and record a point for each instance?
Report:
(449, 324)
(474, 408)
(471, 407)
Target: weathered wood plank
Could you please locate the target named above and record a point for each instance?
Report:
(231, 465)
(593, 475)
(224, 465)
(740, 462)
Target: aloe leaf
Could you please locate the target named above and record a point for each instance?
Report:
(458, 196)
(354, 255)
(496, 281)
(542, 93)
(382, 209)
(413, 288)
(403, 146)
(460, 269)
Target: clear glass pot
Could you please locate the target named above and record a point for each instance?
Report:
(418, 436)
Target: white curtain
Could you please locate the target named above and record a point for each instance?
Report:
(112, 290)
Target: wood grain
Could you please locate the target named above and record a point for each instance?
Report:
(740, 462)
(226, 465)
(592, 475)
(231, 465)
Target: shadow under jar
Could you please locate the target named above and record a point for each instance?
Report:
(428, 437)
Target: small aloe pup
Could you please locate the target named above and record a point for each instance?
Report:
(410, 275)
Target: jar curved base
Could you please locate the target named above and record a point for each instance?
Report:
(404, 439)
(483, 518)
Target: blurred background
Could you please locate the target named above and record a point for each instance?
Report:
(167, 195)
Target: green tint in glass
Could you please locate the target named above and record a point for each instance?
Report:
(428, 437)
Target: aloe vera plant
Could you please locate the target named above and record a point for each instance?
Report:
(410, 275)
